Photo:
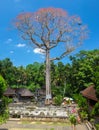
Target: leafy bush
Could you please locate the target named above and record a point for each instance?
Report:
(58, 99)
(97, 126)
(81, 101)
(72, 119)
(4, 112)
(4, 116)
(2, 86)
(84, 115)
(95, 110)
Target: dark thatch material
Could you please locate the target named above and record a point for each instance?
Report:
(9, 92)
(90, 93)
(23, 92)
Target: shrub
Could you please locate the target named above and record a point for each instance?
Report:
(72, 119)
(58, 99)
(4, 112)
(2, 86)
(83, 115)
(95, 110)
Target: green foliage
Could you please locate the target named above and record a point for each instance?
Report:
(35, 74)
(4, 112)
(2, 86)
(72, 119)
(81, 101)
(68, 90)
(4, 104)
(58, 99)
(7, 70)
(97, 91)
(66, 79)
(4, 116)
(58, 74)
(83, 106)
(84, 115)
(95, 110)
(33, 87)
(84, 69)
(57, 90)
(97, 126)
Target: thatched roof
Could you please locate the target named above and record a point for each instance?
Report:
(90, 93)
(24, 92)
(9, 92)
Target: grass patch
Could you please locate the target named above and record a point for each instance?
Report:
(46, 123)
(24, 129)
(30, 129)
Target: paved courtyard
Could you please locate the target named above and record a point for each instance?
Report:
(18, 125)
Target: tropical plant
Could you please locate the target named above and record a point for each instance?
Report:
(81, 101)
(58, 100)
(84, 70)
(73, 120)
(83, 115)
(3, 86)
(95, 110)
(4, 112)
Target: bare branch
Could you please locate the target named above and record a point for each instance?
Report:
(49, 27)
(39, 45)
(69, 50)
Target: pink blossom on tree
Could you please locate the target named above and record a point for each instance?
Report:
(49, 28)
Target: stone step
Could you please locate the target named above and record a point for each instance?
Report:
(90, 126)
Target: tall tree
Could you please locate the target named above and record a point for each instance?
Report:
(85, 70)
(7, 70)
(2, 86)
(48, 28)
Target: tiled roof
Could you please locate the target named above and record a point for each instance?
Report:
(90, 93)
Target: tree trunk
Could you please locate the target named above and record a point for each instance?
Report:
(74, 127)
(48, 87)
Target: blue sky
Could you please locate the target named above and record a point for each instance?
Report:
(11, 46)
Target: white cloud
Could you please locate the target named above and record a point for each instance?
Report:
(11, 52)
(39, 51)
(9, 40)
(21, 45)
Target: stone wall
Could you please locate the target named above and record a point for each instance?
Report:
(46, 119)
(30, 111)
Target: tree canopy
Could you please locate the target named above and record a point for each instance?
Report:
(49, 28)
(66, 79)
(2, 86)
